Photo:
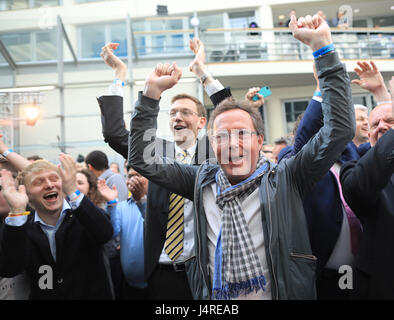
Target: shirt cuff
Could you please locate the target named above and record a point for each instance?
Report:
(16, 221)
(75, 204)
(213, 87)
(318, 99)
(115, 90)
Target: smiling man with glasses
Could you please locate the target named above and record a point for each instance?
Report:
(187, 118)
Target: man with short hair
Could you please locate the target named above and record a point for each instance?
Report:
(279, 144)
(60, 245)
(97, 162)
(368, 188)
(362, 126)
(251, 235)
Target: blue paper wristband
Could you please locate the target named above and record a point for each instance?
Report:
(73, 196)
(317, 94)
(7, 152)
(113, 201)
(323, 50)
(117, 81)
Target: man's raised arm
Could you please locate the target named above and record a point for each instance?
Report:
(142, 156)
(111, 105)
(321, 152)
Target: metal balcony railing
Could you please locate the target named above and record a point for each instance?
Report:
(225, 45)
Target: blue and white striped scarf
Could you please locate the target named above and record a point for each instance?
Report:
(237, 269)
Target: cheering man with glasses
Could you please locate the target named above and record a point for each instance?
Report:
(251, 234)
(169, 225)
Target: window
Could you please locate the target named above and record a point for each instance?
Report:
(156, 40)
(46, 46)
(118, 34)
(215, 20)
(18, 45)
(387, 21)
(93, 37)
(31, 46)
(26, 4)
(241, 19)
(293, 109)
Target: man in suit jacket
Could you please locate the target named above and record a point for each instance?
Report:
(328, 230)
(187, 118)
(60, 246)
(368, 187)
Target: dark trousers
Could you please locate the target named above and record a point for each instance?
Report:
(167, 284)
(361, 282)
(134, 293)
(327, 286)
(117, 276)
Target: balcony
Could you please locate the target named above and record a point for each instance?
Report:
(222, 45)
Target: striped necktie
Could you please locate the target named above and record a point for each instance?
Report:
(173, 245)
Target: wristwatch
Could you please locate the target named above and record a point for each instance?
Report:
(205, 77)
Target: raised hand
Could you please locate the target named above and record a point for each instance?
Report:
(312, 31)
(251, 93)
(197, 66)
(17, 198)
(138, 187)
(107, 193)
(107, 53)
(68, 173)
(163, 77)
(371, 79)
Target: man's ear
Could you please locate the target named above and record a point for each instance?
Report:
(260, 141)
(202, 122)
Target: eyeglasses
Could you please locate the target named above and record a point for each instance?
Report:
(185, 113)
(242, 136)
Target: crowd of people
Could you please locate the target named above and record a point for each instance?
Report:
(214, 216)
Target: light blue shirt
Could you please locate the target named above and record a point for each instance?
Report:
(127, 220)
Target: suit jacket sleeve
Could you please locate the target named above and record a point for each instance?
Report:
(113, 125)
(175, 177)
(314, 160)
(362, 181)
(221, 95)
(309, 125)
(14, 250)
(97, 226)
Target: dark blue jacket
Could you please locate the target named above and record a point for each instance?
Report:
(322, 206)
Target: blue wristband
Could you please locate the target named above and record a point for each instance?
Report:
(323, 50)
(118, 82)
(317, 94)
(113, 201)
(73, 196)
(7, 152)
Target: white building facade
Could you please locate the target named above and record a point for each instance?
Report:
(32, 34)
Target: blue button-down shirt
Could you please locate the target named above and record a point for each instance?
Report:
(49, 230)
(127, 220)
